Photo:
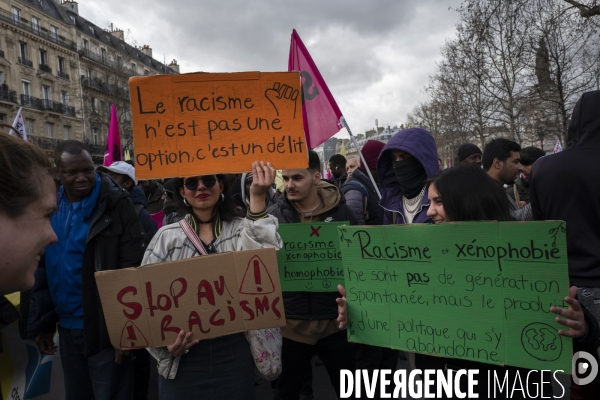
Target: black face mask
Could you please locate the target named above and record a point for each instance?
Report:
(411, 176)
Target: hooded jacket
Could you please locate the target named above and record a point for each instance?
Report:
(564, 186)
(420, 144)
(115, 240)
(307, 305)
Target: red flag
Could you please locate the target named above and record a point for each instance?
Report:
(320, 112)
(113, 141)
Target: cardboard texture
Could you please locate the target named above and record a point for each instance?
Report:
(310, 259)
(200, 123)
(473, 290)
(211, 296)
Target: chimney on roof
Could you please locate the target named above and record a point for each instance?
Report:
(174, 66)
(118, 33)
(70, 5)
(146, 50)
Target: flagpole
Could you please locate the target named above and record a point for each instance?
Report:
(345, 125)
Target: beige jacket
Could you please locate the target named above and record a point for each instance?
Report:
(170, 243)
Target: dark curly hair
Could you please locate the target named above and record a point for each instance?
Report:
(225, 209)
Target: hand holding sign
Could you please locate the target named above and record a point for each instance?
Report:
(576, 319)
(182, 344)
(342, 308)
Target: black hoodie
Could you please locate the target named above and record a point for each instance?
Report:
(566, 186)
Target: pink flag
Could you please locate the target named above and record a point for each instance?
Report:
(113, 141)
(320, 112)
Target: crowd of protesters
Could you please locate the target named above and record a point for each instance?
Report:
(103, 218)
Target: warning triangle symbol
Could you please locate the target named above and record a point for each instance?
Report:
(132, 337)
(257, 279)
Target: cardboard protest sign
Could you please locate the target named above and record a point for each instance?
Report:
(210, 296)
(202, 123)
(310, 259)
(473, 290)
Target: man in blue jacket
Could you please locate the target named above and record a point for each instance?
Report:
(98, 229)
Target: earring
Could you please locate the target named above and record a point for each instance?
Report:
(186, 202)
(222, 197)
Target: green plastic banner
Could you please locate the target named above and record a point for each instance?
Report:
(472, 290)
(310, 259)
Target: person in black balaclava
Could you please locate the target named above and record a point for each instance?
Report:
(408, 159)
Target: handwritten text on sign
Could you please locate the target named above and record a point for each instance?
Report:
(310, 259)
(201, 123)
(480, 290)
(210, 296)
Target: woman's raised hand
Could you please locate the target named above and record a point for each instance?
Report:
(263, 177)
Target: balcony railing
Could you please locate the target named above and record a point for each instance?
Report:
(45, 68)
(31, 102)
(105, 60)
(24, 24)
(64, 109)
(8, 95)
(44, 142)
(47, 105)
(63, 75)
(25, 61)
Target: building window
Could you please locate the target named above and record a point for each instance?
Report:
(16, 15)
(26, 88)
(29, 124)
(104, 55)
(53, 32)
(72, 19)
(61, 65)
(35, 25)
(43, 57)
(86, 44)
(64, 97)
(66, 132)
(23, 53)
(94, 104)
(133, 69)
(95, 135)
(90, 73)
(49, 130)
(47, 92)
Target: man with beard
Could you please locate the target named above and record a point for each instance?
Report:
(520, 190)
(311, 326)
(502, 162)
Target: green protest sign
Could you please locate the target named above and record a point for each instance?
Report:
(310, 259)
(472, 290)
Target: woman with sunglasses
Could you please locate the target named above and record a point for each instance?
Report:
(222, 367)
(466, 193)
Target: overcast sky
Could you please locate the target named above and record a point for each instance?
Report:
(375, 55)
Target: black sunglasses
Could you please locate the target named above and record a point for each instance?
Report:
(193, 183)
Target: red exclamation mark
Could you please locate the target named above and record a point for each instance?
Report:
(131, 335)
(257, 275)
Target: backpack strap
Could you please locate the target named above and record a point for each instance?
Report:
(189, 232)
